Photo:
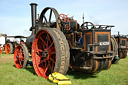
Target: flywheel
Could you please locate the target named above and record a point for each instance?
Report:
(49, 17)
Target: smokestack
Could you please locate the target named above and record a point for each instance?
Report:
(33, 15)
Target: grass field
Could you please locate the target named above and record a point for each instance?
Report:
(10, 75)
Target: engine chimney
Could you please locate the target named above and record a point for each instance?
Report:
(33, 16)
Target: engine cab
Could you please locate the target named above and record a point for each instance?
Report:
(96, 39)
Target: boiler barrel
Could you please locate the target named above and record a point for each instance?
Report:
(29, 41)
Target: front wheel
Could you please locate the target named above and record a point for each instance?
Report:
(9, 48)
(1, 50)
(21, 56)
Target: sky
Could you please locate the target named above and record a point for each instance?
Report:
(15, 15)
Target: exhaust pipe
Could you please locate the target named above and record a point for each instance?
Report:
(33, 16)
(33, 27)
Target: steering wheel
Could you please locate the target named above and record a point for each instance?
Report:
(88, 25)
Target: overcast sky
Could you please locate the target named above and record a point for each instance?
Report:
(15, 15)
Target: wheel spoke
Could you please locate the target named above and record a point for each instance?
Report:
(39, 50)
(53, 50)
(87, 25)
(16, 60)
(44, 47)
(20, 56)
(48, 40)
(43, 41)
(17, 51)
(52, 60)
(20, 63)
(21, 51)
(43, 61)
(50, 16)
(50, 66)
(46, 69)
(51, 45)
(45, 19)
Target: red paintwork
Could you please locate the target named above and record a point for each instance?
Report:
(43, 65)
(18, 52)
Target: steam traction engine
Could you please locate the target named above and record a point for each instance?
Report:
(58, 42)
(9, 46)
(122, 46)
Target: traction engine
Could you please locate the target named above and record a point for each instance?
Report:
(9, 46)
(122, 46)
(58, 42)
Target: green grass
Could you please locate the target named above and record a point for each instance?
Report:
(10, 75)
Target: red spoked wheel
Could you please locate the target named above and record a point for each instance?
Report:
(21, 56)
(50, 52)
(8, 48)
(0, 50)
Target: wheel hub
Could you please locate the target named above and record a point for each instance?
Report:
(17, 57)
(45, 53)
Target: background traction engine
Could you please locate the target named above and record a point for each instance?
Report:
(122, 46)
(9, 46)
(58, 42)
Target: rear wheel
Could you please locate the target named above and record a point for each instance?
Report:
(50, 52)
(8, 48)
(21, 56)
(114, 48)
